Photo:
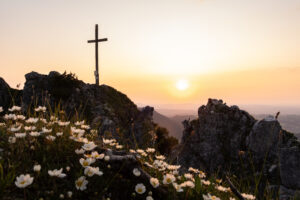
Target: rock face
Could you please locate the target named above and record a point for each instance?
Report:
(216, 137)
(106, 108)
(263, 140)
(290, 167)
(226, 139)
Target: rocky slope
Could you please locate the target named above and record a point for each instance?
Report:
(113, 112)
(226, 139)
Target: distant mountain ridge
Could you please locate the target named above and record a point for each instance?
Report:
(174, 124)
(174, 127)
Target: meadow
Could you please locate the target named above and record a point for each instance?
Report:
(44, 155)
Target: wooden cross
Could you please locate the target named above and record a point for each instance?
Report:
(96, 51)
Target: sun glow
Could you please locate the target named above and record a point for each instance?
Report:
(182, 84)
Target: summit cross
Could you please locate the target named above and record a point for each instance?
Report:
(96, 40)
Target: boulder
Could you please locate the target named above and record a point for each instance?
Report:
(264, 137)
(290, 167)
(214, 140)
(225, 139)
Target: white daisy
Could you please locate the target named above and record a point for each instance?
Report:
(154, 182)
(86, 162)
(150, 150)
(12, 140)
(222, 189)
(58, 134)
(161, 157)
(87, 127)
(37, 168)
(14, 108)
(209, 197)
(45, 130)
(20, 117)
(188, 176)
(96, 155)
(177, 187)
(91, 171)
(32, 120)
(10, 116)
(136, 172)
(15, 129)
(57, 173)
(69, 193)
(79, 151)
(106, 158)
(40, 109)
(187, 184)
(50, 137)
(34, 134)
(149, 198)
(89, 146)
(248, 196)
(78, 123)
(29, 128)
(81, 183)
(168, 178)
(205, 182)
(140, 188)
(23, 181)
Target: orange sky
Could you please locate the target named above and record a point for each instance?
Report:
(245, 52)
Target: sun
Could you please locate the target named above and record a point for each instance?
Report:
(182, 84)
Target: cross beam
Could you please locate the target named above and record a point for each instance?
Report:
(96, 41)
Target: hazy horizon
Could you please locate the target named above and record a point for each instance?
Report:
(254, 109)
(172, 109)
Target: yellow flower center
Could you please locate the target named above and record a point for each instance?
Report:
(139, 190)
(169, 180)
(85, 163)
(79, 183)
(23, 182)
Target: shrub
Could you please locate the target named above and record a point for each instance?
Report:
(63, 85)
(164, 142)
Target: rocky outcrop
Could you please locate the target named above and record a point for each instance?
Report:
(226, 139)
(112, 112)
(263, 140)
(214, 140)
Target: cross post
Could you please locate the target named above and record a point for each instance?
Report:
(96, 73)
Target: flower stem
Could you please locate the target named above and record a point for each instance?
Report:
(24, 194)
